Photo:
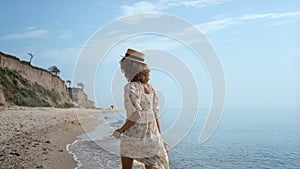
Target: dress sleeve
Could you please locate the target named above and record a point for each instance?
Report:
(155, 103)
(132, 99)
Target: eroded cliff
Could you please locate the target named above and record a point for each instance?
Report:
(27, 85)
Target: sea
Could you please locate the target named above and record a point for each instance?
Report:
(246, 138)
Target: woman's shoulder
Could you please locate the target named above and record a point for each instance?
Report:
(137, 85)
(131, 86)
(150, 86)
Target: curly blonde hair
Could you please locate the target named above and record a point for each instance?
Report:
(135, 71)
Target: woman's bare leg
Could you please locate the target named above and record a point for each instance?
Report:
(126, 162)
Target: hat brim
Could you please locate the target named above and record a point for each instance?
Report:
(133, 59)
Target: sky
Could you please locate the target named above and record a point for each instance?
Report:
(257, 43)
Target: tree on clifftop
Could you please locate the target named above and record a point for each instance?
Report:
(81, 85)
(54, 70)
(31, 56)
(69, 82)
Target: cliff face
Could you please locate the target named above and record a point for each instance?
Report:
(80, 97)
(2, 98)
(36, 77)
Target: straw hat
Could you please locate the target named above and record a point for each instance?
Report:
(134, 55)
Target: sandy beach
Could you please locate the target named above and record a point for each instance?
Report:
(37, 137)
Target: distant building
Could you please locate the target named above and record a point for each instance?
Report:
(80, 98)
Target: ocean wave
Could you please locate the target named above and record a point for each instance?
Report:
(92, 154)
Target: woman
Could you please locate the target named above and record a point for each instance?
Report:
(140, 135)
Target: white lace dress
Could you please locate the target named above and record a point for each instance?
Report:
(142, 141)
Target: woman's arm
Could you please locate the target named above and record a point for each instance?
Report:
(128, 123)
(117, 133)
(158, 124)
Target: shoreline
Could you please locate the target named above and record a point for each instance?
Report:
(38, 137)
(78, 163)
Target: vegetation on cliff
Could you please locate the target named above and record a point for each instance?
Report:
(22, 92)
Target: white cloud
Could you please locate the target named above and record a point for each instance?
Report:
(139, 7)
(137, 19)
(281, 23)
(40, 33)
(144, 6)
(268, 15)
(280, 15)
(216, 25)
(226, 22)
(191, 3)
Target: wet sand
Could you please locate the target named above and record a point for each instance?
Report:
(37, 137)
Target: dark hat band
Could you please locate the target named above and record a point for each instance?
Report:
(134, 57)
